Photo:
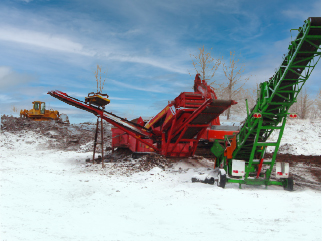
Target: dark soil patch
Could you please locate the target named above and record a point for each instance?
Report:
(143, 163)
(310, 161)
(292, 159)
(61, 136)
(316, 173)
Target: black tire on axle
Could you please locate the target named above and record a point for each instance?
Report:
(288, 185)
(221, 180)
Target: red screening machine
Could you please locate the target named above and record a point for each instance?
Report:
(175, 131)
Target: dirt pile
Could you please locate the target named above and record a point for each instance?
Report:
(78, 137)
(144, 164)
(124, 158)
(121, 162)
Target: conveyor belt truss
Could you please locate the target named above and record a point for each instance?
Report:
(275, 97)
(133, 129)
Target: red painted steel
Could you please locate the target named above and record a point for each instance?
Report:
(175, 131)
(133, 130)
(212, 135)
(260, 167)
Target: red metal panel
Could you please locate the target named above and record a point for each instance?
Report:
(155, 119)
(124, 140)
(191, 117)
(180, 150)
(218, 134)
(119, 138)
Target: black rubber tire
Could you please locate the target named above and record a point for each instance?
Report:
(221, 180)
(288, 186)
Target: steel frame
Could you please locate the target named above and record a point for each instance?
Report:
(176, 130)
(275, 97)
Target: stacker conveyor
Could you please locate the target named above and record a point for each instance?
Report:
(242, 157)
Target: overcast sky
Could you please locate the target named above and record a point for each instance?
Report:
(143, 45)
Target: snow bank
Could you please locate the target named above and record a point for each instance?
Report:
(300, 137)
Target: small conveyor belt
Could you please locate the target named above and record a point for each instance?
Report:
(109, 117)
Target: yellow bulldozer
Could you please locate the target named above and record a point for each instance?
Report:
(39, 113)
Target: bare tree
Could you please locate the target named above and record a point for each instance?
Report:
(314, 111)
(241, 95)
(234, 75)
(303, 106)
(205, 64)
(318, 104)
(98, 78)
(14, 109)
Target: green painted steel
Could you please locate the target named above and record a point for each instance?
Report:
(274, 99)
(217, 149)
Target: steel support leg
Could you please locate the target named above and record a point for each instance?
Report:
(102, 142)
(95, 140)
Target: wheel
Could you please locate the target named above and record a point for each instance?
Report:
(288, 185)
(221, 180)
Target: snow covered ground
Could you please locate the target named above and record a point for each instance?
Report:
(300, 137)
(54, 195)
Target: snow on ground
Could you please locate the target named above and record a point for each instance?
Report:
(300, 137)
(53, 195)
